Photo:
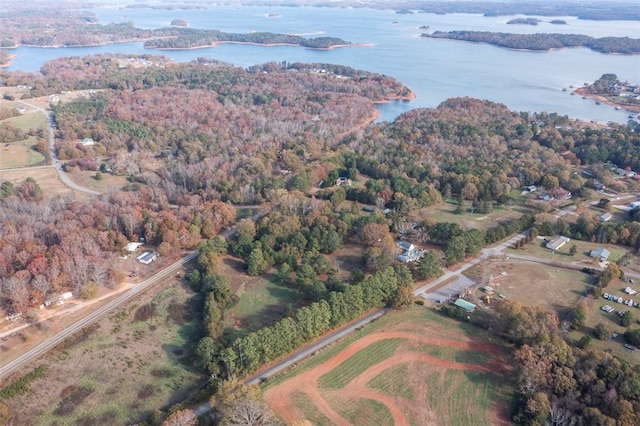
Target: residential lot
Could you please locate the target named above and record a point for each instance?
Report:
(530, 283)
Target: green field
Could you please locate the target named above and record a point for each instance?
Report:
(446, 212)
(537, 248)
(397, 377)
(21, 154)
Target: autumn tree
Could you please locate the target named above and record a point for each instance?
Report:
(184, 417)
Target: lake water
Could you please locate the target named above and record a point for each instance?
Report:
(434, 69)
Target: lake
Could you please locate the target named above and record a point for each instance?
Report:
(434, 69)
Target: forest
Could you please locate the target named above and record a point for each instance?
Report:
(561, 382)
(543, 41)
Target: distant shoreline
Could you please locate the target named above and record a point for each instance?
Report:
(582, 91)
(214, 44)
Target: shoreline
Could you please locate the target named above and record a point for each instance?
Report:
(582, 91)
(215, 44)
(410, 97)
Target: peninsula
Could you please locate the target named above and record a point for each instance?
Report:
(543, 41)
(611, 91)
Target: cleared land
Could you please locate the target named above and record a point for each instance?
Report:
(21, 153)
(261, 300)
(537, 248)
(446, 212)
(532, 284)
(409, 367)
(123, 368)
(46, 178)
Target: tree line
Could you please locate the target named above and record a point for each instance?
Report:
(543, 41)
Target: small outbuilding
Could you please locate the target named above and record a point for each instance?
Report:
(467, 306)
(131, 247)
(147, 257)
(605, 217)
(556, 243)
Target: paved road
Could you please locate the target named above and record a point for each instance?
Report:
(53, 341)
(319, 344)
(54, 160)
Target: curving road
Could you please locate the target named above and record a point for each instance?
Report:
(54, 160)
(53, 341)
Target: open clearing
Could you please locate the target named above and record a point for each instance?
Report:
(446, 212)
(123, 368)
(261, 299)
(537, 248)
(408, 368)
(531, 283)
(46, 178)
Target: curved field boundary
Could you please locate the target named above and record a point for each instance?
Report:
(279, 398)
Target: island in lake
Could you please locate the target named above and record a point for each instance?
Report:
(524, 21)
(179, 23)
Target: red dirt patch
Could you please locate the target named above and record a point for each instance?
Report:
(279, 398)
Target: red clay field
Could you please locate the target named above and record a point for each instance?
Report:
(409, 368)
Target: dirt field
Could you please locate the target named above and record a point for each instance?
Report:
(412, 367)
(127, 365)
(531, 283)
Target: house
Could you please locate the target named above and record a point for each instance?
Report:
(88, 142)
(602, 254)
(405, 245)
(410, 253)
(556, 243)
(598, 186)
(410, 256)
(605, 217)
(467, 306)
(559, 194)
(147, 257)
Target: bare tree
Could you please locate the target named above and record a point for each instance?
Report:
(248, 412)
(559, 416)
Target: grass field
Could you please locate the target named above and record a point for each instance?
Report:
(87, 179)
(537, 248)
(408, 367)
(21, 154)
(130, 364)
(532, 283)
(446, 212)
(47, 179)
(262, 300)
